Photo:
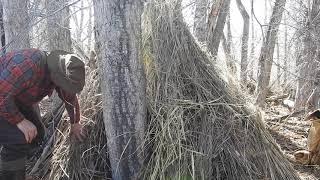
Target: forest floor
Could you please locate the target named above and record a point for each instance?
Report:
(291, 135)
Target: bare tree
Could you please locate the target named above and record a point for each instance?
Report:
(16, 24)
(200, 20)
(244, 40)
(217, 18)
(267, 50)
(118, 30)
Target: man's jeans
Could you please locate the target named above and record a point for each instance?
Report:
(13, 161)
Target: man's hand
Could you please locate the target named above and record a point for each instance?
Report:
(77, 132)
(28, 129)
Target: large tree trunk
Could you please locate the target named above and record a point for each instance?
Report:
(244, 39)
(200, 20)
(58, 30)
(267, 50)
(118, 27)
(216, 22)
(308, 84)
(16, 24)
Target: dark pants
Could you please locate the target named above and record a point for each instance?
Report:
(13, 156)
(13, 161)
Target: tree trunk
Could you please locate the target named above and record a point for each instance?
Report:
(216, 22)
(252, 61)
(267, 50)
(308, 85)
(200, 20)
(278, 64)
(58, 32)
(226, 44)
(16, 24)
(286, 65)
(2, 36)
(244, 39)
(118, 27)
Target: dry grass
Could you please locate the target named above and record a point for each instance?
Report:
(200, 125)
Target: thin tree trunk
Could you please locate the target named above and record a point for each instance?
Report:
(200, 20)
(118, 27)
(278, 64)
(216, 28)
(2, 35)
(16, 24)
(89, 31)
(226, 44)
(286, 65)
(244, 39)
(267, 50)
(252, 62)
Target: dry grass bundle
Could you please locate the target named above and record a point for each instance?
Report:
(201, 126)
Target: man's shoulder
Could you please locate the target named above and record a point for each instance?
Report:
(23, 57)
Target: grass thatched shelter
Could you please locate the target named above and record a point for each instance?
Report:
(200, 125)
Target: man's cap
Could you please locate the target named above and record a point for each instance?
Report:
(67, 70)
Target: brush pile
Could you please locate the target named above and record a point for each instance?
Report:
(200, 126)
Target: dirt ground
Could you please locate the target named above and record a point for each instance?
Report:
(291, 134)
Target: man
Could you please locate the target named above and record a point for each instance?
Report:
(26, 77)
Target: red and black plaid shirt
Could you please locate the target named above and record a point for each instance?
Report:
(24, 78)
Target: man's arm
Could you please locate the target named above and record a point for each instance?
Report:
(72, 106)
(18, 75)
(12, 83)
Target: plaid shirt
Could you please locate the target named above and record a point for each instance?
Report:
(25, 78)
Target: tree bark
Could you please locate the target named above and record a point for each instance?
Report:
(226, 44)
(252, 61)
(216, 22)
(308, 85)
(244, 39)
(16, 24)
(2, 35)
(200, 20)
(118, 27)
(58, 30)
(286, 65)
(267, 50)
(278, 64)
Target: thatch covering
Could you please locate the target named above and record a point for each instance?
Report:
(199, 125)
